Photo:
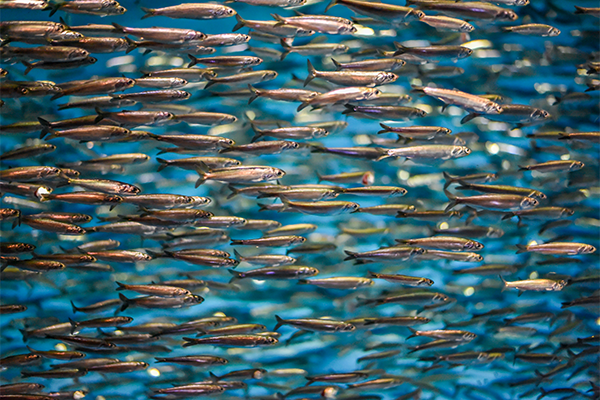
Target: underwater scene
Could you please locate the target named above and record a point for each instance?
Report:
(299, 199)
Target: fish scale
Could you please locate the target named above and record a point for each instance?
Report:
(504, 130)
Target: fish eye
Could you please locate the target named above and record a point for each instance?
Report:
(230, 11)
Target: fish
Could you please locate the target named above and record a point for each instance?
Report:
(191, 11)
(311, 324)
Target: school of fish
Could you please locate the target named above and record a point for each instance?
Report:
(300, 199)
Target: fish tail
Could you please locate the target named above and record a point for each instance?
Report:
(521, 168)
(214, 377)
(279, 19)
(193, 61)
(241, 22)
(54, 8)
(338, 65)
(101, 115)
(255, 93)
(386, 128)
(25, 335)
(74, 325)
(401, 49)
(413, 332)
(75, 309)
(234, 192)
(349, 109)
(351, 255)
(373, 274)
(303, 106)
(120, 286)
(119, 27)
(522, 248)
(280, 322)
(209, 83)
(163, 163)
(132, 45)
(362, 301)
(150, 12)
(579, 10)
(238, 255)
(503, 281)
(189, 342)
(467, 117)
(236, 275)
(508, 216)
(303, 281)
(28, 65)
(312, 73)
(125, 301)
(330, 5)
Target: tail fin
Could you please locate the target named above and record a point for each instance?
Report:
(386, 128)
(75, 309)
(236, 275)
(351, 255)
(120, 286)
(193, 61)
(125, 301)
(255, 93)
(163, 164)
(400, 49)
(349, 109)
(330, 5)
(522, 248)
(312, 73)
(74, 325)
(132, 45)
(54, 8)
(238, 255)
(503, 281)
(119, 27)
(286, 50)
(214, 378)
(234, 192)
(453, 201)
(150, 12)
(241, 22)
(579, 10)
(279, 19)
(468, 117)
(413, 333)
(46, 127)
(449, 179)
(28, 65)
(338, 65)
(101, 115)
(280, 322)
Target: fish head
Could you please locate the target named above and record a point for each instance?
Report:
(371, 93)
(269, 75)
(460, 151)
(351, 207)
(493, 108)
(418, 250)
(346, 29)
(473, 245)
(241, 38)
(254, 61)
(193, 35)
(304, 32)
(566, 212)
(417, 13)
(295, 3)
(208, 74)
(347, 327)
(553, 32)
(559, 285)
(507, 15)
(586, 249)
(521, 2)
(440, 298)
(299, 239)
(75, 230)
(290, 145)
(340, 48)
(385, 77)
(270, 340)
(193, 299)
(469, 336)
(87, 258)
(78, 54)
(309, 271)
(277, 173)
(466, 27)
(539, 115)
(225, 11)
(320, 132)
(182, 94)
(124, 83)
(528, 202)
(465, 52)
(399, 192)
(475, 257)
(163, 116)
(69, 35)
(425, 282)
(113, 199)
(576, 165)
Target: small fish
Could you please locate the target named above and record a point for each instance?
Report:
(384, 253)
(427, 132)
(290, 132)
(273, 28)
(281, 272)
(169, 35)
(472, 10)
(312, 49)
(341, 96)
(250, 77)
(444, 243)
(200, 360)
(403, 279)
(155, 290)
(50, 225)
(533, 30)
(494, 201)
(312, 324)
(226, 61)
(557, 248)
(273, 241)
(271, 260)
(538, 285)
(379, 64)
(242, 174)
(191, 11)
(153, 302)
(430, 152)
(442, 23)
(233, 340)
(434, 52)
(106, 186)
(338, 282)
(284, 94)
(319, 23)
(554, 166)
(384, 112)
